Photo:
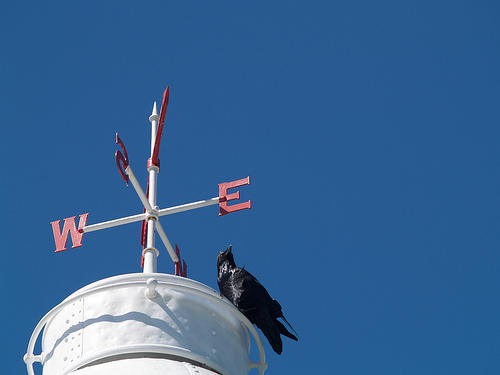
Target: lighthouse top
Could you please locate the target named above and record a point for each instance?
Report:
(151, 214)
(148, 322)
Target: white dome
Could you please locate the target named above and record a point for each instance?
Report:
(160, 323)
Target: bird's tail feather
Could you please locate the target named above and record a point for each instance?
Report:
(285, 332)
(289, 326)
(273, 336)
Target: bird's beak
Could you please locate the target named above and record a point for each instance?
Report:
(228, 250)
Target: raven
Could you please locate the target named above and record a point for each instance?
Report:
(252, 299)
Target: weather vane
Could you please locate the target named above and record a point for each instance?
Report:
(151, 214)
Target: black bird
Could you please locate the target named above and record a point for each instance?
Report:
(252, 299)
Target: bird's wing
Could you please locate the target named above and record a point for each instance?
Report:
(255, 295)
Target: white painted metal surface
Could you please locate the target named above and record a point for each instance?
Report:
(166, 322)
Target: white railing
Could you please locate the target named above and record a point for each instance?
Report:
(30, 357)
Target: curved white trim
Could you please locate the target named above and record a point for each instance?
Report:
(135, 280)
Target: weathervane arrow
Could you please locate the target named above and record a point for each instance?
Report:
(151, 214)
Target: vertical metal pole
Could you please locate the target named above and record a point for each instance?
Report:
(153, 119)
(150, 252)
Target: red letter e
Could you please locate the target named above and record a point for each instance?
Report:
(224, 197)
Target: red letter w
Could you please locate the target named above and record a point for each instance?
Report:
(69, 227)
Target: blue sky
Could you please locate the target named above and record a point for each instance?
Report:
(369, 130)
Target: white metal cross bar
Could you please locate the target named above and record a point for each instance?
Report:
(139, 190)
(166, 242)
(143, 216)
